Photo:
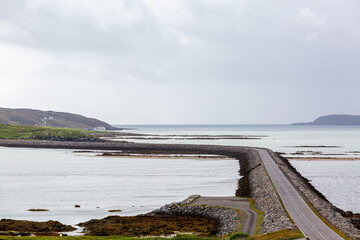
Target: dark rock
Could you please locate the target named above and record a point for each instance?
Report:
(37, 210)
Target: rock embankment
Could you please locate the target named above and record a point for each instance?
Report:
(255, 182)
(226, 218)
(319, 202)
(257, 185)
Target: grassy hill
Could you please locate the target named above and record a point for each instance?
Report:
(335, 120)
(50, 119)
(16, 132)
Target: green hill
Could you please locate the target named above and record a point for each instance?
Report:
(335, 120)
(50, 119)
(16, 132)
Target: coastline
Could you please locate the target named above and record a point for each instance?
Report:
(252, 184)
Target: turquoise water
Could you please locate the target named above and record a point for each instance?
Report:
(339, 181)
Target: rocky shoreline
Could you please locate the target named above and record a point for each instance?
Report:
(318, 201)
(150, 226)
(257, 185)
(227, 219)
(26, 228)
(255, 182)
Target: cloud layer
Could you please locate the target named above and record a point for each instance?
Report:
(182, 61)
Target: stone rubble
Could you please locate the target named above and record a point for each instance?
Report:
(315, 198)
(227, 218)
(264, 194)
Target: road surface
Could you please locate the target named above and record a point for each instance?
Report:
(233, 202)
(311, 226)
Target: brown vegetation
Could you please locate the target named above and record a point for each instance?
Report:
(149, 226)
(37, 210)
(31, 226)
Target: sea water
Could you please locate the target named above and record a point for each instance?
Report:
(339, 181)
(57, 180)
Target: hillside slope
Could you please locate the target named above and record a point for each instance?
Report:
(50, 119)
(335, 120)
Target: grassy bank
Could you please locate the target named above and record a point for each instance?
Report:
(284, 234)
(20, 132)
(259, 218)
(179, 237)
(280, 235)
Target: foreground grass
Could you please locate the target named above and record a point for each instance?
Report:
(284, 234)
(180, 237)
(20, 132)
(259, 218)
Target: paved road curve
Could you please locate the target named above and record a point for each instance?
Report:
(304, 217)
(233, 202)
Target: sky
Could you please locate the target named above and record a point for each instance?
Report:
(182, 61)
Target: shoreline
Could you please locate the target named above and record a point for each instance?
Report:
(251, 168)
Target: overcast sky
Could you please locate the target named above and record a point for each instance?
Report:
(182, 61)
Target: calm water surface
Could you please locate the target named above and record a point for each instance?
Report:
(59, 179)
(339, 181)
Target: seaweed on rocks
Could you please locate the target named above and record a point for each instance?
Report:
(149, 226)
(32, 226)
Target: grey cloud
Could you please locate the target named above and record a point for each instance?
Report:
(237, 47)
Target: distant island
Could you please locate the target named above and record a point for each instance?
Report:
(341, 119)
(51, 119)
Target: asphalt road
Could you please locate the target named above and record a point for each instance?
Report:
(304, 217)
(233, 202)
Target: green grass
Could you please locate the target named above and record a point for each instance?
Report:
(259, 218)
(20, 132)
(238, 235)
(284, 234)
(179, 237)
